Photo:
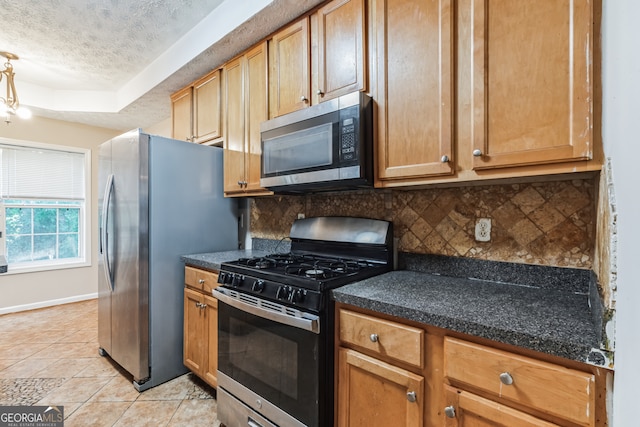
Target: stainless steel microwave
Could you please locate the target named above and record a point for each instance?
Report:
(328, 146)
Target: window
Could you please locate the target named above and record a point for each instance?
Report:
(43, 192)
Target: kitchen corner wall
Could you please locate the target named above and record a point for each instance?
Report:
(545, 223)
(605, 260)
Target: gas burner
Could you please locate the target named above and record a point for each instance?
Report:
(314, 272)
(263, 263)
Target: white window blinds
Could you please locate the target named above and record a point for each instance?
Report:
(27, 173)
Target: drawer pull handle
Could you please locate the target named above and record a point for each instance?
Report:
(201, 281)
(411, 396)
(373, 337)
(506, 378)
(450, 412)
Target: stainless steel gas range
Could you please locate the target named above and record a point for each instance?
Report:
(275, 317)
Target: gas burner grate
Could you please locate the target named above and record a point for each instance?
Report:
(325, 268)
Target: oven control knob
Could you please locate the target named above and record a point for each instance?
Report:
(283, 292)
(298, 295)
(258, 286)
(238, 280)
(225, 278)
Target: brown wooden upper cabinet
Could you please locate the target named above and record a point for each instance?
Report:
(181, 113)
(532, 89)
(341, 49)
(318, 57)
(245, 90)
(414, 89)
(518, 102)
(196, 114)
(290, 67)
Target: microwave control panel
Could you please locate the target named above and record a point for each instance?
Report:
(348, 134)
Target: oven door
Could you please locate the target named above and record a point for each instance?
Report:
(268, 359)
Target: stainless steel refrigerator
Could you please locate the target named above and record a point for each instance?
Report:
(159, 199)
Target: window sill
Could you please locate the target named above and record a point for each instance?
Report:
(34, 268)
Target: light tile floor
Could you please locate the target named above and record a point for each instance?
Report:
(50, 357)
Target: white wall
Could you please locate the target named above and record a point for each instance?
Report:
(621, 127)
(31, 290)
(162, 128)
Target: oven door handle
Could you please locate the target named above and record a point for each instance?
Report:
(310, 322)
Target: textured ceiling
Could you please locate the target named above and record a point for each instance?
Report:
(103, 45)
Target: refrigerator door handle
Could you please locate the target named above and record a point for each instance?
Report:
(104, 236)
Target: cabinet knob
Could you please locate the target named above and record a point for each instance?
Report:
(319, 92)
(303, 98)
(506, 378)
(411, 396)
(477, 153)
(373, 337)
(203, 306)
(450, 412)
(444, 159)
(201, 281)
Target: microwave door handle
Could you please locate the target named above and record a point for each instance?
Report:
(309, 324)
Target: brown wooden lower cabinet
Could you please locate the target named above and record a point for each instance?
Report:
(458, 382)
(374, 393)
(466, 409)
(200, 327)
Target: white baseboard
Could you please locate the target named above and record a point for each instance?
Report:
(50, 303)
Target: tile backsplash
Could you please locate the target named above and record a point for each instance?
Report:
(545, 223)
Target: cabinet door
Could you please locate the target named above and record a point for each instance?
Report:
(571, 397)
(206, 105)
(414, 89)
(373, 393)
(210, 373)
(234, 126)
(341, 50)
(256, 108)
(532, 82)
(464, 409)
(290, 65)
(195, 333)
(181, 110)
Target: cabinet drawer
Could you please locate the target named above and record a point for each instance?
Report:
(395, 340)
(552, 389)
(200, 279)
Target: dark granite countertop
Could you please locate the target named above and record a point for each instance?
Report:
(212, 260)
(545, 309)
(261, 247)
(551, 320)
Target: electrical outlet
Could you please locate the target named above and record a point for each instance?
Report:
(300, 216)
(483, 230)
